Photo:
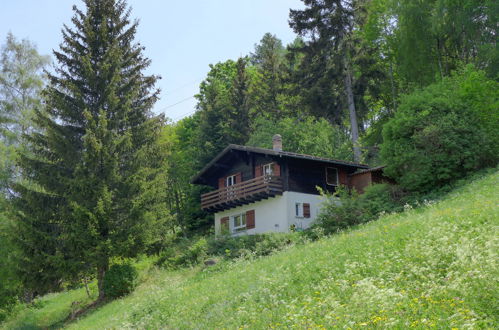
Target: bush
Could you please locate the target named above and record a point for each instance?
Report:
(443, 132)
(120, 280)
(347, 208)
(256, 245)
(184, 255)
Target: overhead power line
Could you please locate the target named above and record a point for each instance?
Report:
(183, 115)
(183, 86)
(174, 104)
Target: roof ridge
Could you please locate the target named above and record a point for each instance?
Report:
(297, 154)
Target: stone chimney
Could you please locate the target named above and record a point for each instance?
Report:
(277, 142)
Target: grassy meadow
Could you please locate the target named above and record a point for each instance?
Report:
(431, 266)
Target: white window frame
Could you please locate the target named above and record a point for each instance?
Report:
(243, 224)
(232, 180)
(337, 176)
(299, 210)
(268, 167)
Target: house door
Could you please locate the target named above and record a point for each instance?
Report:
(229, 183)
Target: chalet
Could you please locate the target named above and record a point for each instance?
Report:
(260, 190)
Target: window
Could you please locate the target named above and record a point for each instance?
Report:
(239, 222)
(267, 169)
(332, 176)
(230, 181)
(299, 210)
(302, 210)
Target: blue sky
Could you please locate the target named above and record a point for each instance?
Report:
(181, 37)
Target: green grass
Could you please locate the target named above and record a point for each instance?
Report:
(433, 266)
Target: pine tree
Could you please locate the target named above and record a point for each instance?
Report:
(239, 116)
(92, 194)
(269, 59)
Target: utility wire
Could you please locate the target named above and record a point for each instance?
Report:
(183, 116)
(174, 104)
(183, 86)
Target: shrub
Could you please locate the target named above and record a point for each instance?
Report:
(184, 254)
(256, 245)
(443, 132)
(120, 280)
(347, 208)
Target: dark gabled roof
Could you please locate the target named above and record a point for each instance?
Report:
(372, 169)
(272, 152)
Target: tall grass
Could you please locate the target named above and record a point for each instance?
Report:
(434, 266)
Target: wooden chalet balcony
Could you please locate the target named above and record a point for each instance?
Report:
(242, 193)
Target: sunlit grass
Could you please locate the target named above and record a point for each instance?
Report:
(434, 266)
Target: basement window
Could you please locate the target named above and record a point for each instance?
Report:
(239, 222)
(299, 210)
(332, 176)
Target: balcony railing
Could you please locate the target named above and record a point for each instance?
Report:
(242, 193)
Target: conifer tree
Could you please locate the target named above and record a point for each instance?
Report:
(239, 116)
(269, 59)
(332, 54)
(92, 194)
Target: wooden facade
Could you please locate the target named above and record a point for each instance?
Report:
(242, 175)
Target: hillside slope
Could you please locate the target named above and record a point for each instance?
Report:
(431, 266)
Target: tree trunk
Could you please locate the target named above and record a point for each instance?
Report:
(354, 126)
(86, 286)
(394, 105)
(101, 272)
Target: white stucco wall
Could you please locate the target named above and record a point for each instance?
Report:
(294, 197)
(275, 214)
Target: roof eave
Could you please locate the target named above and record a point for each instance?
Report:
(211, 163)
(195, 180)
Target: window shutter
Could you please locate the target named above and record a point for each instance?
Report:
(258, 171)
(224, 222)
(276, 169)
(221, 183)
(306, 210)
(239, 177)
(342, 177)
(250, 219)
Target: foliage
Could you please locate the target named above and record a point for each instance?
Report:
(192, 252)
(10, 286)
(120, 280)
(338, 69)
(182, 160)
(92, 171)
(443, 132)
(326, 141)
(184, 254)
(267, 92)
(218, 116)
(435, 266)
(251, 245)
(346, 208)
(21, 81)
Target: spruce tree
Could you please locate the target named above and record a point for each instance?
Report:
(239, 116)
(92, 194)
(269, 59)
